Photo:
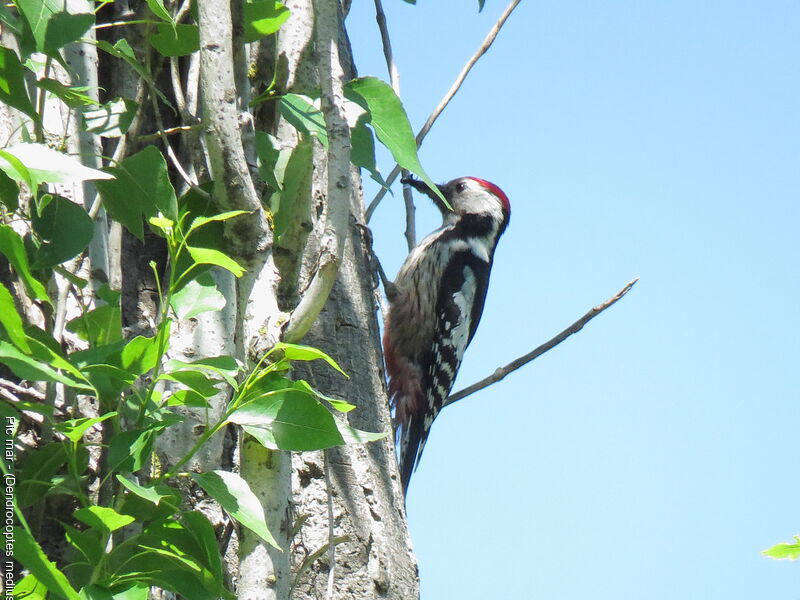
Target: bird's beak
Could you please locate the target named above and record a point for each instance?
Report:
(421, 186)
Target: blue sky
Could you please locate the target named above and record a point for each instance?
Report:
(654, 454)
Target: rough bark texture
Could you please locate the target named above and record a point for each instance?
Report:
(376, 560)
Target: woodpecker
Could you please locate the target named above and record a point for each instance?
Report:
(435, 305)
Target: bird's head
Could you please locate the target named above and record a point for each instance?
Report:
(467, 196)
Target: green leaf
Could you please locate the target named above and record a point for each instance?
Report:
(158, 9)
(190, 541)
(46, 349)
(50, 166)
(196, 381)
(13, 90)
(224, 216)
(66, 230)
(180, 581)
(100, 326)
(225, 366)
(12, 246)
(122, 49)
(13, 168)
(294, 182)
(263, 17)
(52, 26)
(291, 419)
(301, 113)
(142, 189)
(75, 428)
(176, 40)
(71, 96)
(150, 493)
(34, 368)
(136, 592)
(102, 518)
(11, 321)
(362, 152)
(196, 297)
(86, 542)
(300, 352)
(235, 496)
(268, 151)
(388, 119)
(107, 295)
(336, 403)
(351, 435)
(295, 421)
(129, 450)
(112, 119)
(94, 591)
(30, 555)
(207, 547)
(30, 588)
(37, 470)
(140, 355)
(163, 224)
(187, 398)
(210, 256)
(785, 550)
(9, 192)
(109, 380)
(480, 5)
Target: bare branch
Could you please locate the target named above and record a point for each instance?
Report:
(149, 137)
(338, 193)
(161, 133)
(501, 372)
(19, 389)
(411, 227)
(394, 79)
(487, 43)
(394, 75)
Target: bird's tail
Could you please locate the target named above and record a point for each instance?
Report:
(409, 440)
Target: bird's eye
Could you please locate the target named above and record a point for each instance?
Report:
(460, 187)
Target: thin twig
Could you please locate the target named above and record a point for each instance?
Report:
(309, 560)
(411, 226)
(177, 86)
(487, 43)
(183, 11)
(170, 153)
(74, 266)
(501, 372)
(169, 131)
(394, 80)
(394, 75)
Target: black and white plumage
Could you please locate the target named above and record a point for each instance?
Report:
(435, 306)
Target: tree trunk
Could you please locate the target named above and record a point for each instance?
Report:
(372, 557)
